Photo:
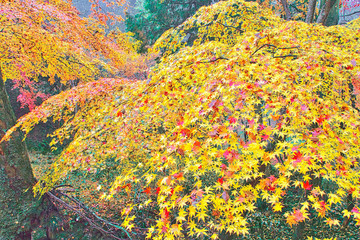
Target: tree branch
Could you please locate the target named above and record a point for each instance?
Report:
(348, 15)
(83, 211)
(237, 28)
(212, 60)
(273, 46)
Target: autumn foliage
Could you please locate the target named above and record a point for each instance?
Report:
(49, 39)
(243, 109)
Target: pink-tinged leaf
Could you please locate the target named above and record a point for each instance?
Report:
(272, 178)
(340, 141)
(164, 229)
(262, 127)
(251, 122)
(265, 137)
(355, 210)
(230, 155)
(304, 108)
(299, 217)
(213, 133)
(297, 157)
(232, 120)
(295, 148)
(225, 196)
(214, 103)
(241, 199)
(353, 62)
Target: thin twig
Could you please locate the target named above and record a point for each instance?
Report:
(84, 216)
(212, 60)
(236, 28)
(285, 56)
(273, 46)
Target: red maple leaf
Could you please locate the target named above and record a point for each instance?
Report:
(221, 180)
(232, 120)
(306, 185)
(180, 151)
(265, 137)
(147, 191)
(166, 213)
(297, 157)
(119, 113)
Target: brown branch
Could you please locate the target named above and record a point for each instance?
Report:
(83, 215)
(273, 46)
(348, 15)
(212, 60)
(236, 28)
(285, 56)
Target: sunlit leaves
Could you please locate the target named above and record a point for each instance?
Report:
(49, 39)
(268, 116)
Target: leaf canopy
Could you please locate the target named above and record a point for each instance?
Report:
(224, 122)
(49, 39)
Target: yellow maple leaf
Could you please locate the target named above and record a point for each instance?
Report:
(278, 207)
(332, 222)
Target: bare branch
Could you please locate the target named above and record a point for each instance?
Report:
(273, 46)
(83, 211)
(348, 15)
(237, 28)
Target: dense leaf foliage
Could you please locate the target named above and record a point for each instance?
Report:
(252, 112)
(50, 39)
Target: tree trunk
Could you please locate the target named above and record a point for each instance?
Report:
(324, 13)
(286, 9)
(333, 18)
(19, 209)
(310, 11)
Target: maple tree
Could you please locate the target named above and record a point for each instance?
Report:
(152, 17)
(244, 110)
(50, 39)
(45, 39)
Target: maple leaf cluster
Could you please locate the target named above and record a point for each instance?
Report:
(250, 111)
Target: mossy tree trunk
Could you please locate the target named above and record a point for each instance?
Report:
(19, 209)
